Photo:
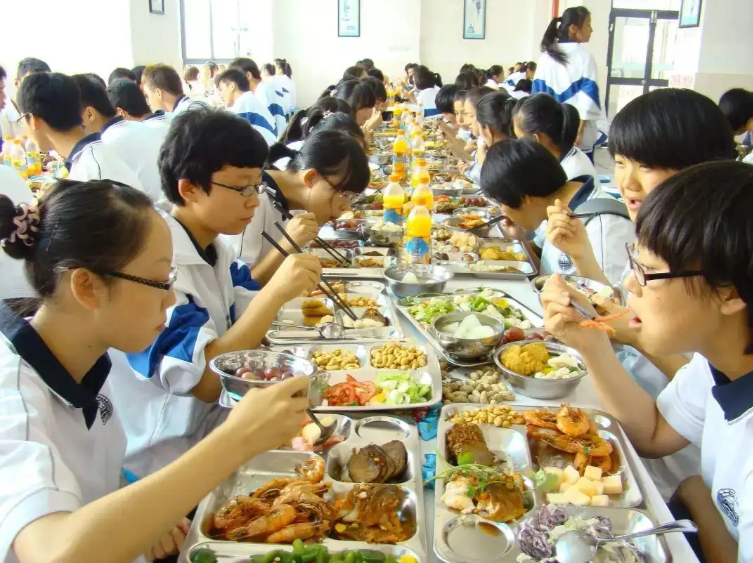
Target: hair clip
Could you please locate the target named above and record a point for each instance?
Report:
(27, 224)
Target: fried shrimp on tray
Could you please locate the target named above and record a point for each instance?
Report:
(543, 418)
(589, 444)
(572, 421)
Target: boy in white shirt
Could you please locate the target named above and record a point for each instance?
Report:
(237, 96)
(10, 115)
(211, 173)
(690, 291)
(163, 89)
(51, 106)
(264, 92)
(128, 100)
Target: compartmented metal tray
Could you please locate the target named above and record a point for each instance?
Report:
(281, 463)
(536, 321)
(356, 257)
(459, 539)
(525, 268)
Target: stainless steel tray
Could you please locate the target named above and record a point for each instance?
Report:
(536, 321)
(458, 266)
(355, 271)
(281, 463)
(511, 445)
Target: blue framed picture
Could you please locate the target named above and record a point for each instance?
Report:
(474, 19)
(349, 18)
(690, 13)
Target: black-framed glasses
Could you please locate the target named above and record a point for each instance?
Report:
(245, 191)
(165, 285)
(643, 278)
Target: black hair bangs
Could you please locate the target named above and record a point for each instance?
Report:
(699, 220)
(671, 129)
(445, 98)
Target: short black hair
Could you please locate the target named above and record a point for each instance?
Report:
(138, 71)
(524, 85)
(53, 97)
(127, 96)
(81, 225)
(29, 65)
(234, 75)
(164, 77)
(468, 67)
(377, 86)
(353, 73)
(246, 65)
(530, 65)
(460, 95)
(495, 111)
(367, 63)
(270, 68)
(190, 73)
(542, 114)
(671, 128)
(446, 97)
(737, 106)
(700, 220)
(3, 74)
(494, 70)
(474, 95)
(376, 73)
(359, 95)
(93, 95)
(202, 141)
(515, 169)
(121, 73)
(212, 66)
(409, 66)
(467, 80)
(297, 130)
(96, 78)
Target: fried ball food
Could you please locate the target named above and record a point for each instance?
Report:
(526, 360)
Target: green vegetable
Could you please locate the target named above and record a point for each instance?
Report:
(350, 557)
(480, 303)
(271, 556)
(371, 556)
(322, 557)
(427, 313)
(401, 389)
(203, 556)
(257, 558)
(298, 547)
(545, 482)
(466, 458)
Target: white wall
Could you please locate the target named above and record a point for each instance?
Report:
(305, 33)
(155, 38)
(513, 33)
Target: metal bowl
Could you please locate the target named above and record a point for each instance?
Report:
(467, 348)
(541, 388)
(432, 279)
(482, 212)
(447, 189)
(225, 365)
(584, 285)
(453, 222)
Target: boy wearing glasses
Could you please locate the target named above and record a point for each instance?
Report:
(691, 290)
(210, 165)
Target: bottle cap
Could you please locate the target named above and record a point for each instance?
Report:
(394, 178)
(421, 161)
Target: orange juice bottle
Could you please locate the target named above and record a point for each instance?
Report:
(401, 170)
(393, 200)
(423, 195)
(418, 146)
(405, 121)
(400, 150)
(419, 171)
(18, 158)
(418, 236)
(396, 115)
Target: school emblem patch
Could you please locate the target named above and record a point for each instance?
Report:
(105, 408)
(726, 500)
(564, 262)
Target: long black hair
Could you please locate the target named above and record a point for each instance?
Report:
(359, 95)
(424, 78)
(75, 225)
(494, 70)
(298, 129)
(495, 111)
(377, 86)
(331, 153)
(467, 80)
(559, 30)
(474, 95)
(542, 114)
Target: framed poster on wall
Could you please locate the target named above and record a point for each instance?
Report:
(474, 19)
(349, 18)
(690, 13)
(157, 7)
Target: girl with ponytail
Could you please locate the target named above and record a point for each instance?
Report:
(303, 121)
(495, 76)
(567, 72)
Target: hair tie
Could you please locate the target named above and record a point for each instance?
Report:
(27, 225)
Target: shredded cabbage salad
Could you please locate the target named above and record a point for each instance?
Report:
(400, 389)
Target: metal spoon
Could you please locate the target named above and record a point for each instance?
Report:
(328, 331)
(579, 547)
(326, 431)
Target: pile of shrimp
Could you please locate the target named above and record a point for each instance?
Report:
(570, 430)
(280, 511)
(598, 322)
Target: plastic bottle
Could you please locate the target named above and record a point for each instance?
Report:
(423, 195)
(397, 115)
(401, 170)
(419, 171)
(7, 145)
(18, 158)
(400, 150)
(393, 200)
(418, 236)
(418, 146)
(33, 158)
(406, 120)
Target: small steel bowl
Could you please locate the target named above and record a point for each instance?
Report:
(467, 348)
(432, 279)
(541, 388)
(447, 189)
(482, 212)
(225, 365)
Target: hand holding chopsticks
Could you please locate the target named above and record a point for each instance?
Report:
(490, 223)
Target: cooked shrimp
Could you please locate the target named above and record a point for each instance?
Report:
(271, 489)
(305, 502)
(590, 444)
(311, 470)
(313, 488)
(300, 531)
(604, 462)
(572, 421)
(279, 517)
(543, 418)
(581, 461)
(237, 511)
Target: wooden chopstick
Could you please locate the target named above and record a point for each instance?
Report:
(335, 297)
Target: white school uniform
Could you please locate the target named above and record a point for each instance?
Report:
(90, 159)
(716, 414)
(252, 110)
(9, 120)
(491, 83)
(575, 164)
(427, 100)
(607, 234)
(287, 88)
(184, 102)
(138, 145)
(159, 120)
(61, 443)
(269, 99)
(512, 81)
(161, 417)
(574, 83)
(13, 281)
(250, 246)
(519, 94)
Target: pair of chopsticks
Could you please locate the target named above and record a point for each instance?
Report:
(581, 215)
(323, 285)
(490, 223)
(327, 248)
(582, 310)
